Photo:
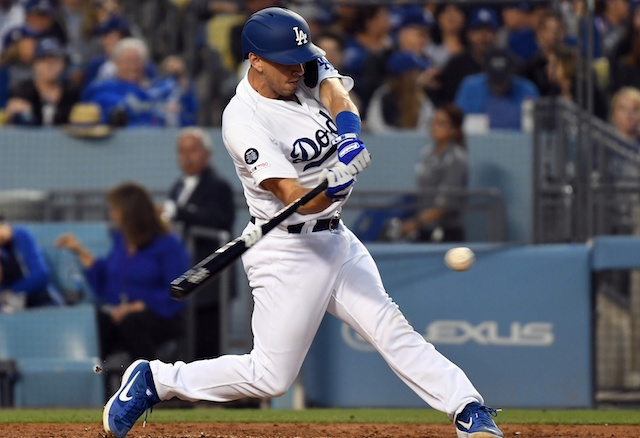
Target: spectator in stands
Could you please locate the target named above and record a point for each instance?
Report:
(550, 35)
(124, 99)
(46, 99)
(11, 16)
(24, 274)
(344, 18)
(574, 15)
(442, 175)
(623, 45)
(497, 92)
(136, 313)
(625, 118)
(610, 23)
(224, 30)
(563, 76)
(333, 44)
(20, 42)
(538, 9)
(225, 20)
(174, 94)
(366, 51)
(110, 32)
(625, 113)
(448, 35)
(78, 19)
(481, 35)
(201, 198)
(401, 103)
(518, 34)
(624, 63)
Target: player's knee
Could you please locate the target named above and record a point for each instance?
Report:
(279, 392)
(279, 387)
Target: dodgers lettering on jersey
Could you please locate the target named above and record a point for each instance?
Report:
(271, 138)
(313, 152)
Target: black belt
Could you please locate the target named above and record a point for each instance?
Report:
(321, 225)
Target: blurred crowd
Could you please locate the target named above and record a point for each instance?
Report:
(177, 62)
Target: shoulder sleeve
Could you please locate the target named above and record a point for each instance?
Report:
(326, 70)
(257, 152)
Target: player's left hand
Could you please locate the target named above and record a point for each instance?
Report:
(352, 152)
(340, 181)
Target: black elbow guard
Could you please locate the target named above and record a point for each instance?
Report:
(311, 73)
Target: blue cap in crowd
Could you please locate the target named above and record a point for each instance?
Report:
(401, 62)
(48, 47)
(38, 6)
(415, 17)
(113, 23)
(483, 17)
(522, 6)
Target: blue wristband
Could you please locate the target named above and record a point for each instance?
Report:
(348, 122)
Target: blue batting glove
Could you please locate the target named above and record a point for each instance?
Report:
(340, 181)
(352, 152)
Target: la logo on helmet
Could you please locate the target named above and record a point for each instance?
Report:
(301, 37)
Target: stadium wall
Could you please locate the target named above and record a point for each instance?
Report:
(49, 159)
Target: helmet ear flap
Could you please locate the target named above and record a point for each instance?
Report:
(311, 73)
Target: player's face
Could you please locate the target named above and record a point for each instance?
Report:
(278, 80)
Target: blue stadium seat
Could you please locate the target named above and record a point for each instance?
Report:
(65, 269)
(55, 349)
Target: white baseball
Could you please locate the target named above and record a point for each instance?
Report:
(459, 259)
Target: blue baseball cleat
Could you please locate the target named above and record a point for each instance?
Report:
(136, 394)
(475, 422)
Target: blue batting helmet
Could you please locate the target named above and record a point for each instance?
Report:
(279, 35)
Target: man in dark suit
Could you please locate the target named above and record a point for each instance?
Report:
(201, 198)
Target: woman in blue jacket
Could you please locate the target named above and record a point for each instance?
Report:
(24, 273)
(137, 313)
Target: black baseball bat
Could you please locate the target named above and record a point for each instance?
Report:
(208, 268)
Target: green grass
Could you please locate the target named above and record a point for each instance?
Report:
(508, 416)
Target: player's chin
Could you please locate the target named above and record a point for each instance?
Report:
(290, 89)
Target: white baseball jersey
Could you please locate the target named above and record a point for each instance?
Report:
(271, 138)
(297, 277)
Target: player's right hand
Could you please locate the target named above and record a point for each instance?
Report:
(340, 181)
(352, 152)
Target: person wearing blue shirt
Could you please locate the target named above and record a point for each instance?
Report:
(174, 94)
(518, 34)
(132, 280)
(497, 92)
(110, 32)
(366, 50)
(24, 272)
(124, 100)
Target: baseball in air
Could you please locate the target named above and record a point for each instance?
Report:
(459, 259)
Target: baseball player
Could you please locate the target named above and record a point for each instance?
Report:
(290, 125)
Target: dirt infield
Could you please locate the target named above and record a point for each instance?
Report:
(289, 430)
